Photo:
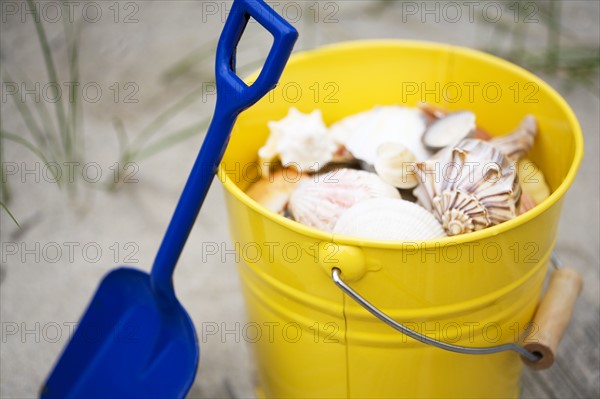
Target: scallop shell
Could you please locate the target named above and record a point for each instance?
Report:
(533, 181)
(274, 191)
(396, 165)
(449, 130)
(319, 201)
(469, 187)
(364, 132)
(299, 140)
(389, 219)
(518, 143)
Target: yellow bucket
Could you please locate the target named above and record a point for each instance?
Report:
(478, 290)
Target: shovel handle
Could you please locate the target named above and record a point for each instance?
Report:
(233, 96)
(552, 317)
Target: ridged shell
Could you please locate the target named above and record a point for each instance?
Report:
(396, 165)
(533, 181)
(469, 187)
(274, 191)
(299, 140)
(389, 219)
(364, 132)
(517, 144)
(319, 201)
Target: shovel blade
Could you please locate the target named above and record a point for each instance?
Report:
(130, 343)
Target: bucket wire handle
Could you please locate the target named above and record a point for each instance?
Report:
(552, 318)
(337, 279)
(233, 96)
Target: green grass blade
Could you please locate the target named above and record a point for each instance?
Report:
(72, 33)
(164, 117)
(5, 194)
(183, 66)
(26, 114)
(25, 143)
(10, 214)
(172, 139)
(121, 135)
(51, 70)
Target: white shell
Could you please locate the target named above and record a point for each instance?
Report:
(396, 165)
(518, 143)
(274, 191)
(299, 140)
(389, 219)
(318, 202)
(364, 132)
(449, 130)
(469, 187)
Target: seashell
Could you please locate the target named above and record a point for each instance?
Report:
(527, 203)
(300, 141)
(388, 219)
(396, 165)
(433, 113)
(533, 181)
(449, 130)
(318, 202)
(364, 132)
(517, 144)
(469, 187)
(274, 191)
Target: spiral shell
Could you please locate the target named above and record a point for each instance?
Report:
(388, 219)
(318, 202)
(469, 187)
(518, 143)
(396, 165)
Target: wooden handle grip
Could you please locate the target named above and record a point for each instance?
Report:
(553, 316)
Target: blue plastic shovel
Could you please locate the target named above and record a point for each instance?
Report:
(135, 339)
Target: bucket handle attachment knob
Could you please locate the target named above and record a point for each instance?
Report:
(552, 318)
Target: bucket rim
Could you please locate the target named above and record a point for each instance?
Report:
(492, 231)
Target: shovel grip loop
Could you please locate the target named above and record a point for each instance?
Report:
(233, 96)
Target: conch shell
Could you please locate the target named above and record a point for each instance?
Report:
(363, 133)
(274, 191)
(388, 219)
(396, 165)
(318, 202)
(533, 181)
(469, 187)
(299, 140)
(518, 143)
